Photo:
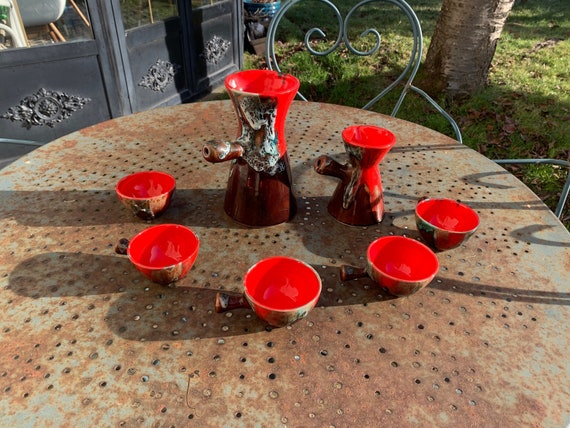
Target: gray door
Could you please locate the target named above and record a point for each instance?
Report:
(176, 53)
(86, 61)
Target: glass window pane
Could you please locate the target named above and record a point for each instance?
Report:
(137, 13)
(30, 23)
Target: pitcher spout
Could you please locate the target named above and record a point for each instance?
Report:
(221, 151)
(325, 165)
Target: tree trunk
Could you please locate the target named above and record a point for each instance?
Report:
(464, 43)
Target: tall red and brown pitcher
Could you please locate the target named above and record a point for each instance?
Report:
(259, 186)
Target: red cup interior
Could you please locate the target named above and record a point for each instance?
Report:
(262, 82)
(145, 185)
(448, 215)
(282, 283)
(163, 246)
(368, 136)
(402, 258)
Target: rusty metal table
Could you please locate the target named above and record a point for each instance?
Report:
(87, 340)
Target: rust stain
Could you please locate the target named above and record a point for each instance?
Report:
(70, 144)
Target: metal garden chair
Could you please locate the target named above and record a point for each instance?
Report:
(404, 81)
(565, 164)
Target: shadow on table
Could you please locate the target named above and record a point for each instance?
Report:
(509, 294)
(486, 179)
(322, 239)
(327, 237)
(139, 309)
(188, 313)
(204, 208)
(194, 207)
(65, 274)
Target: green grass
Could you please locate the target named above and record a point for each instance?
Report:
(524, 110)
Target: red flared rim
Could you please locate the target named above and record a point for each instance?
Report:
(262, 82)
(403, 259)
(448, 214)
(282, 284)
(145, 185)
(368, 136)
(162, 246)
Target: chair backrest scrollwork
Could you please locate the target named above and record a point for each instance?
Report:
(342, 42)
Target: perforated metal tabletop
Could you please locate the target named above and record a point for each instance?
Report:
(88, 341)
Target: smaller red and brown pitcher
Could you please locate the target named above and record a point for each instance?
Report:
(358, 199)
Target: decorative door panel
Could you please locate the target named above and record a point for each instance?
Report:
(217, 46)
(46, 99)
(156, 61)
(81, 62)
(51, 74)
(155, 67)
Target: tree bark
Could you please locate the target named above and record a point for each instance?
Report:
(462, 48)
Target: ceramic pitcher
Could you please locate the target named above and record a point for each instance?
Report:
(259, 191)
(359, 197)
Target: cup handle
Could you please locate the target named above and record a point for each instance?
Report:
(122, 246)
(348, 273)
(227, 302)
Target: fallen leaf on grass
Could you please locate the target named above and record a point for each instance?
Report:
(509, 128)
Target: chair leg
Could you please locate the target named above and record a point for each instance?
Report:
(562, 163)
(563, 196)
(441, 111)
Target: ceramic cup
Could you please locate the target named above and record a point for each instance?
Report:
(280, 290)
(164, 253)
(146, 194)
(401, 265)
(445, 223)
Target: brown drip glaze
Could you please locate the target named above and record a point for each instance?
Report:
(257, 198)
